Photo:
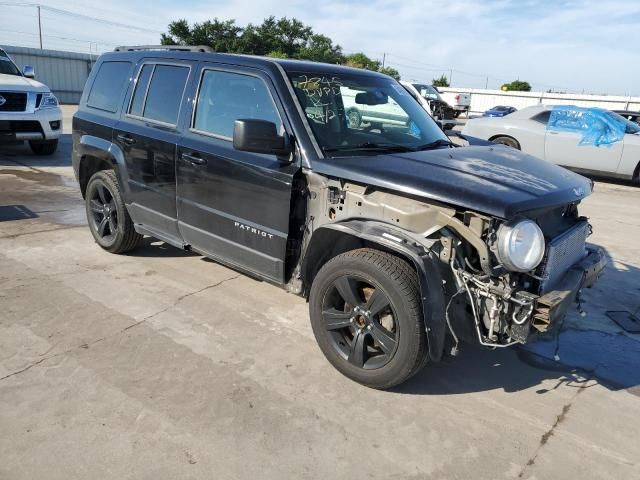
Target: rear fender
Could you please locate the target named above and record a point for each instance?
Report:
(95, 147)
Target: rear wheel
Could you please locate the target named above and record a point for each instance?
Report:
(43, 147)
(366, 317)
(107, 215)
(508, 141)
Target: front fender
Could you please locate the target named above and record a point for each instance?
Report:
(425, 261)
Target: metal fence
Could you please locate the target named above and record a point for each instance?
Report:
(65, 73)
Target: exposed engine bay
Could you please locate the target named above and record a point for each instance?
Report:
(501, 279)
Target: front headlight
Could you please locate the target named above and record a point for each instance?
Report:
(49, 100)
(520, 245)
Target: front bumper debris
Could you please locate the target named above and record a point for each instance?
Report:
(553, 306)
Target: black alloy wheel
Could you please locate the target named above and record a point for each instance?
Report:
(366, 316)
(104, 214)
(360, 322)
(107, 214)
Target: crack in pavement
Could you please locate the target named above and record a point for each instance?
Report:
(35, 232)
(135, 324)
(182, 297)
(549, 433)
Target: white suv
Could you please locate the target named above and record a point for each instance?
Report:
(28, 109)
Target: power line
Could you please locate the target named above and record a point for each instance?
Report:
(81, 16)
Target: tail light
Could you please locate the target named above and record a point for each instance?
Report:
(457, 97)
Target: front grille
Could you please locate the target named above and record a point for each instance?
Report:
(20, 126)
(562, 253)
(13, 102)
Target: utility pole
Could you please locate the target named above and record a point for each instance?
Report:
(450, 77)
(39, 27)
(384, 56)
(486, 84)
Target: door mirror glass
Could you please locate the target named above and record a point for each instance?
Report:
(28, 71)
(259, 136)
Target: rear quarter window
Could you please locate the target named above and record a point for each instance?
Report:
(542, 117)
(159, 91)
(108, 87)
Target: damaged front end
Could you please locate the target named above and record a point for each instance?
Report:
(535, 269)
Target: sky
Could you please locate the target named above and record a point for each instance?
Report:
(574, 46)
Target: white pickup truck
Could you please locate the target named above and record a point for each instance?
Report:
(28, 109)
(460, 102)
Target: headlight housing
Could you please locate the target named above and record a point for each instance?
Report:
(49, 100)
(520, 245)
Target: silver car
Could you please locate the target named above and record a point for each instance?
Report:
(589, 140)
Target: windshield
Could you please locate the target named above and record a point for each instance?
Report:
(630, 127)
(355, 114)
(7, 67)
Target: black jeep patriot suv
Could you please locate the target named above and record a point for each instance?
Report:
(401, 242)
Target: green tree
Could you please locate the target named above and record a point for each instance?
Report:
(360, 60)
(282, 38)
(321, 49)
(222, 36)
(441, 81)
(392, 72)
(517, 86)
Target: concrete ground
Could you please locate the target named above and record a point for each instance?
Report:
(163, 364)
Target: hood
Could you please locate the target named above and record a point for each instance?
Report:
(21, 84)
(496, 180)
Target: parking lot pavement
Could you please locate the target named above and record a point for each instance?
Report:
(163, 364)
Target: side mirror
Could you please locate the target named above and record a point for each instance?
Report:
(28, 71)
(259, 136)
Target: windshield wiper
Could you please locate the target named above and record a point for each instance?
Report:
(369, 147)
(441, 142)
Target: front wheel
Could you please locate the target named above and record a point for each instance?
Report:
(366, 317)
(107, 214)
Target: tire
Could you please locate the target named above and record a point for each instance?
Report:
(107, 215)
(457, 113)
(354, 118)
(365, 313)
(508, 141)
(43, 147)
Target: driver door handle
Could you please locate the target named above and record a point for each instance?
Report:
(195, 160)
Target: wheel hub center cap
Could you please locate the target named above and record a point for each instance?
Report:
(360, 320)
(360, 317)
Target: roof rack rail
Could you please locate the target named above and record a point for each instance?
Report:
(177, 48)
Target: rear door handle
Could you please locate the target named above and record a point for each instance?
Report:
(193, 159)
(126, 139)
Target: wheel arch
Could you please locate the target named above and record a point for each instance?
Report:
(636, 173)
(494, 137)
(333, 239)
(95, 154)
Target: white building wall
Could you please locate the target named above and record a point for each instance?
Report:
(482, 99)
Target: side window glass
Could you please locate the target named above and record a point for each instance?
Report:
(225, 97)
(108, 86)
(164, 95)
(142, 84)
(542, 117)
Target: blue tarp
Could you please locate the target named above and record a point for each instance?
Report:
(596, 125)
